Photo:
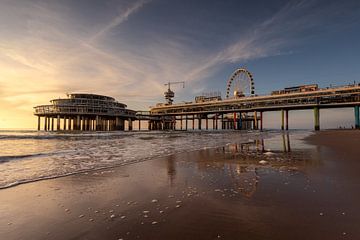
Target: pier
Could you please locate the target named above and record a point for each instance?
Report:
(84, 112)
(242, 111)
(245, 109)
(250, 109)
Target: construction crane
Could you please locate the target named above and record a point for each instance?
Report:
(169, 95)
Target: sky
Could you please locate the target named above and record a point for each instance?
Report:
(128, 49)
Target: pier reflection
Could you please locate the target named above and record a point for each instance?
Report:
(171, 169)
(237, 166)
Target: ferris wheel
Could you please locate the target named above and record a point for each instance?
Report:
(240, 83)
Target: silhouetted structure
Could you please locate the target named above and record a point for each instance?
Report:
(85, 112)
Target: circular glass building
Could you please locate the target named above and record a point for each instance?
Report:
(85, 112)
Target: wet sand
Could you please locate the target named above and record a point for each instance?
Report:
(241, 191)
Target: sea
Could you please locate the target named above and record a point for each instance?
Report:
(27, 156)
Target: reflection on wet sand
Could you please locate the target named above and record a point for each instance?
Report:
(171, 167)
(240, 163)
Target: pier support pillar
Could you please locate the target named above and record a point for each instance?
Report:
(52, 124)
(255, 121)
(77, 122)
(121, 124)
(39, 119)
(240, 122)
(181, 122)
(287, 119)
(222, 122)
(282, 119)
(316, 118)
(235, 120)
(83, 123)
(216, 122)
(45, 124)
(64, 127)
(130, 124)
(139, 124)
(193, 122)
(49, 122)
(97, 123)
(117, 124)
(186, 122)
(206, 122)
(357, 118)
(88, 123)
(74, 128)
(261, 121)
(69, 124)
(58, 123)
(199, 122)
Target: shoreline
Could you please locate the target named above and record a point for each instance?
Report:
(121, 163)
(205, 194)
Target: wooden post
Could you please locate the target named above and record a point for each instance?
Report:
(58, 123)
(240, 121)
(181, 122)
(130, 124)
(357, 118)
(255, 121)
(234, 122)
(45, 124)
(69, 124)
(199, 122)
(64, 127)
(39, 122)
(97, 123)
(207, 122)
(121, 124)
(78, 122)
(316, 118)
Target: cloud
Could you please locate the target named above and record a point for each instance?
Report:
(56, 54)
(116, 21)
(267, 38)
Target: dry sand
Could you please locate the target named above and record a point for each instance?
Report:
(220, 193)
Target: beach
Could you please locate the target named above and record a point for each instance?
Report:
(267, 187)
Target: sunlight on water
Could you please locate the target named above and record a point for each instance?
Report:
(28, 155)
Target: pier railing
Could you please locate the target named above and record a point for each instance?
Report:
(44, 110)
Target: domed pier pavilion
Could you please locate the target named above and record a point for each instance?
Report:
(84, 112)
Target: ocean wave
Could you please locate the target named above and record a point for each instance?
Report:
(73, 153)
(18, 157)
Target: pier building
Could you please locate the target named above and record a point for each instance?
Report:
(245, 109)
(84, 112)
